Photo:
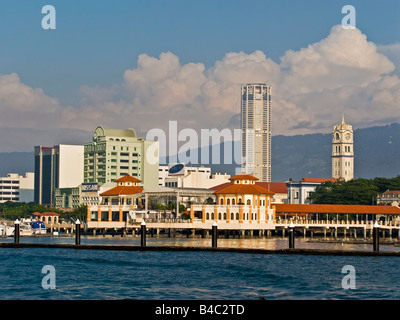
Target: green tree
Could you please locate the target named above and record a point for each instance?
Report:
(358, 191)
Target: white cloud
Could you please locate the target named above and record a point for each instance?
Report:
(311, 88)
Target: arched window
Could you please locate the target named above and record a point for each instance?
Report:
(239, 200)
(219, 216)
(228, 201)
(221, 201)
(233, 201)
(248, 202)
(237, 216)
(224, 215)
(232, 216)
(208, 216)
(212, 216)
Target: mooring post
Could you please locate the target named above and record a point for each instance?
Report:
(77, 232)
(16, 231)
(291, 235)
(143, 234)
(214, 234)
(375, 235)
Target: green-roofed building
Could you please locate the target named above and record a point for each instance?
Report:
(114, 153)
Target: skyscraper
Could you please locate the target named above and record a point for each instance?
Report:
(256, 130)
(60, 166)
(343, 152)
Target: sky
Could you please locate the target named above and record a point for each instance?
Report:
(140, 64)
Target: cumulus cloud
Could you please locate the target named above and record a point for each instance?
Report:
(311, 87)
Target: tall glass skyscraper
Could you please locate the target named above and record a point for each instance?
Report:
(256, 130)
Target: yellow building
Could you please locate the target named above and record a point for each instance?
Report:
(243, 201)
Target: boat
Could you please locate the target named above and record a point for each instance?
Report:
(25, 228)
(38, 227)
(6, 231)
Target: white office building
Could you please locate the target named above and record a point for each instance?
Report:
(17, 188)
(60, 166)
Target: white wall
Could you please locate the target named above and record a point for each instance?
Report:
(71, 165)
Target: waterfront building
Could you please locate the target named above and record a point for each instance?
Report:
(46, 217)
(113, 153)
(242, 201)
(60, 166)
(279, 189)
(298, 192)
(84, 194)
(17, 188)
(343, 152)
(256, 130)
(181, 176)
(389, 198)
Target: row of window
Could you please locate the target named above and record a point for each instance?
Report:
(234, 216)
(248, 202)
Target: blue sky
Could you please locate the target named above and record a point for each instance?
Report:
(84, 62)
(95, 41)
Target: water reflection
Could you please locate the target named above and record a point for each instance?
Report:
(243, 243)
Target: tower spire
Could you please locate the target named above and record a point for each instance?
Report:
(343, 118)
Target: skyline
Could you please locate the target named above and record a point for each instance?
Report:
(187, 64)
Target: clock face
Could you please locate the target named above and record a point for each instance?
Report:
(348, 136)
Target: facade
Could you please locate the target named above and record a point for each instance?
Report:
(113, 153)
(299, 191)
(117, 202)
(343, 152)
(17, 188)
(256, 130)
(85, 194)
(279, 190)
(389, 198)
(242, 201)
(190, 177)
(60, 166)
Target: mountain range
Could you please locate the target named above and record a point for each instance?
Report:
(376, 154)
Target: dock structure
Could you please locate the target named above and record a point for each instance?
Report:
(240, 208)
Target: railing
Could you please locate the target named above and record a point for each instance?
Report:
(337, 222)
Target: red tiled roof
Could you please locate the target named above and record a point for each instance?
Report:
(127, 178)
(276, 187)
(221, 186)
(45, 214)
(392, 192)
(317, 180)
(122, 190)
(243, 189)
(243, 176)
(332, 208)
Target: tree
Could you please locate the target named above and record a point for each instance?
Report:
(358, 191)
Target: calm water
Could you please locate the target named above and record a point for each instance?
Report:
(86, 274)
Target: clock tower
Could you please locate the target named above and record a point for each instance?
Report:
(342, 152)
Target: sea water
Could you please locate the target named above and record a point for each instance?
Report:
(156, 275)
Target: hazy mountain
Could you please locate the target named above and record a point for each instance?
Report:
(377, 154)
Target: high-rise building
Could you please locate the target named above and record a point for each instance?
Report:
(343, 152)
(256, 130)
(60, 166)
(114, 153)
(17, 188)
